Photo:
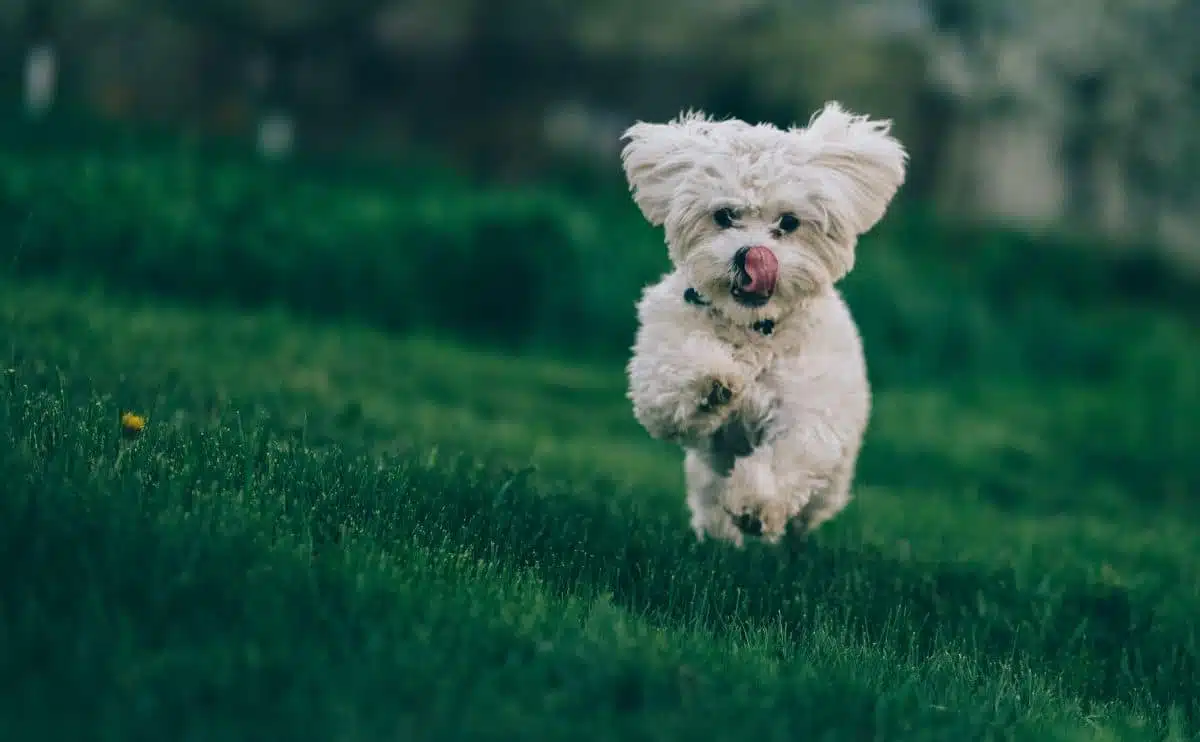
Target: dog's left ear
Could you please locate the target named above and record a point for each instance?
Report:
(656, 157)
(862, 166)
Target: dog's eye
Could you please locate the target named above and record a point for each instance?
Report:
(789, 223)
(724, 217)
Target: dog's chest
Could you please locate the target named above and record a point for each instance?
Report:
(758, 357)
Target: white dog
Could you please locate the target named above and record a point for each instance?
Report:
(746, 353)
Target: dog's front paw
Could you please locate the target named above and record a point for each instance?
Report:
(766, 519)
(712, 400)
(715, 394)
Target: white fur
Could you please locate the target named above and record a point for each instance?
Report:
(798, 399)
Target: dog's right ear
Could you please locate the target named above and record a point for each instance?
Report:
(655, 159)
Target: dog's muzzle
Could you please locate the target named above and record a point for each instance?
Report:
(756, 273)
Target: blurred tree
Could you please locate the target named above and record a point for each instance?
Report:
(275, 38)
(1113, 86)
(1039, 110)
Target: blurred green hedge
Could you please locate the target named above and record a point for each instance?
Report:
(525, 265)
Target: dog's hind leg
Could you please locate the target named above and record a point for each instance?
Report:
(826, 502)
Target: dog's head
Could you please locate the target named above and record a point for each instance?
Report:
(757, 217)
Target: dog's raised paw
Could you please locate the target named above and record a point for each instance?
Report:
(716, 394)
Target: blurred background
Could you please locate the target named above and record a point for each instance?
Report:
(1075, 114)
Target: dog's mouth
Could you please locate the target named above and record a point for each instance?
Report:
(748, 299)
(755, 275)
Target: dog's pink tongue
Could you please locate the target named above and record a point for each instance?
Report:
(762, 271)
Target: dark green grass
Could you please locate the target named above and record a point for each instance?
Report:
(296, 548)
(208, 586)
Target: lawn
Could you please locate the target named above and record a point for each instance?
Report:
(328, 532)
(353, 515)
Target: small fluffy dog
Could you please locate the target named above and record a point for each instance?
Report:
(746, 354)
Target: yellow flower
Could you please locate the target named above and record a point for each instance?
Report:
(131, 424)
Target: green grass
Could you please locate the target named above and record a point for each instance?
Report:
(421, 250)
(328, 532)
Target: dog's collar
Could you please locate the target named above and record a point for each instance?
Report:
(763, 326)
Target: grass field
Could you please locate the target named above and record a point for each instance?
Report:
(329, 529)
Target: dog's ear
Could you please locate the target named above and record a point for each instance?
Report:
(657, 156)
(862, 166)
